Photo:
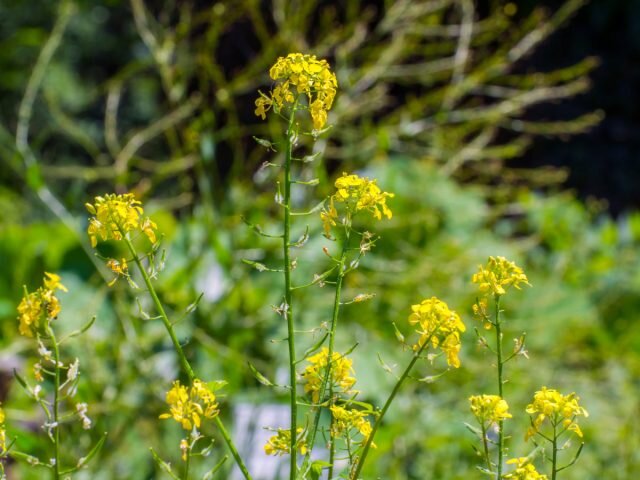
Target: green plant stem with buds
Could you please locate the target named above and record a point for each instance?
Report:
(500, 383)
(56, 401)
(332, 333)
(178, 348)
(386, 406)
(288, 311)
(554, 457)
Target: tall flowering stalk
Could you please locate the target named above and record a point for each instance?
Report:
(438, 327)
(37, 313)
(493, 281)
(120, 218)
(296, 77)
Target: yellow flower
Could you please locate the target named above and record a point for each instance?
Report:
(187, 405)
(497, 275)
(116, 215)
(120, 268)
(42, 302)
(305, 75)
(314, 374)
(3, 434)
(344, 420)
(356, 193)
(439, 325)
(524, 470)
(559, 409)
(280, 443)
(489, 408)
(184, 447)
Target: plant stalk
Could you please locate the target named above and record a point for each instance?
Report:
(183, 359)
(500, 385)
(56, 407)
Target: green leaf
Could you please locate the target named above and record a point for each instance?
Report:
(261, 378)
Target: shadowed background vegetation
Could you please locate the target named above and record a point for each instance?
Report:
(479, 116)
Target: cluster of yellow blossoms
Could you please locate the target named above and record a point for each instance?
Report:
(525, 470)
(559, 409)
(497, 275)
(489, 409)
(438, 325)
(41, 302)
(357, 193)
(344, 420)
(116, 215)
(301, 74)
(341, 371)
(187, 405)
(280, 443)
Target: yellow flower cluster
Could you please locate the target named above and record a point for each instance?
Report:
(301, 74)
(438, 325)
(280, 443)
(344, 420)
(41, 302)
(489, 408)
(357, 193)
(559, 409)
(341, 371)
(187, 405)
(524, 470)
(497, 275)
(116, 215)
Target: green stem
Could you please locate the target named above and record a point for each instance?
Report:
(187, 462)
(178, 348)
(56, 400)
(287, 295)
(554, 458)
(332, 334)
(500, 384)
(393, 394)
(485, 444)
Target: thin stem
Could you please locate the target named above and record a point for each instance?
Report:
(393, 394)
(500, 385)
(56, 399)
(178, 348)
(187, 463)
(332, 332)
(554, 458)
(287, 294)
(485, 444)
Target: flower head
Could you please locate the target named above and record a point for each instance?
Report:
(116, 215)
(356, 193)
(341, 371)
(187, 405)
(489, 409)
(345, 420)
(557, 408)
(280, 443)
(440, 326)
(498, 275)
(41, 303)
(298, 74)
(524, 470)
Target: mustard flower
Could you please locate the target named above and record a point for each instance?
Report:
(559, 409)
(116, 215)
(341, 371)
(187, 405)
(346, 419)
(356, 193)
(489, 408)
(497, 275)
(298, 74)
(41, 303)
(280, 443)
(440, 326)
(524, 470)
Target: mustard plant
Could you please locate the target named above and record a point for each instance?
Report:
(120, 218)
(38, 312)
(549, 406)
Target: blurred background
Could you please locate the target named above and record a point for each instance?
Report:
(504, 128)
